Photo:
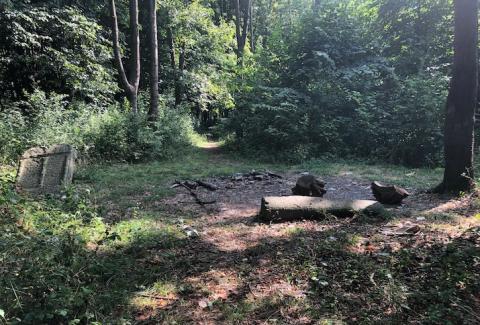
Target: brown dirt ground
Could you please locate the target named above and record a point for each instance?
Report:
(236, 259)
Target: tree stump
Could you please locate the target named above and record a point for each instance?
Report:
(388, 194)
(289, 208)
(308, 185)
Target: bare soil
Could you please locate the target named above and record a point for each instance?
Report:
(239, 270)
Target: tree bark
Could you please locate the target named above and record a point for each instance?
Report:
(241, 27)
(153, 111)
(130, 86)
(250, 24)
(462, 101)
(178, 82)
(176, 71)
(289, 208)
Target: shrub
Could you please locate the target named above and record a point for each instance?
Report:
(402, 125)
(12, 135)
(274, 122)
(106, 134)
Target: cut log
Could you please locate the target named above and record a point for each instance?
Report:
(388, 194)
(289, 208)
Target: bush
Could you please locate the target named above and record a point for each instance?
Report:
(274, 122)
(336, 93)
(12, 135)
(402, 124)
(107, 134)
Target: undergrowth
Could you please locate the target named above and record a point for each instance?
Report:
(61, 262)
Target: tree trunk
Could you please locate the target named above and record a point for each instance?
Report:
(462, 101)
(238, 31)
(129, 86)
(289, 208)
(178, 82)
(175, 71)
(171, 48)
(250, 24)
(153, 111)
(241, 28)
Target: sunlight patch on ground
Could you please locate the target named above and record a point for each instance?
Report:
(216, 284)
(210, 145)
(158, 295)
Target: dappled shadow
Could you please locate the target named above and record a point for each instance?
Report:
(241, 271)
(306, 276)
(296, 273)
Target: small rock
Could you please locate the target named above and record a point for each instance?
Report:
(309, 185)
(203, 303)
(190, 232)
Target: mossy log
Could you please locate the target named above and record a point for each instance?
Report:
(289, 208)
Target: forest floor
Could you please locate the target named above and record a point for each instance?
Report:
(167, 259)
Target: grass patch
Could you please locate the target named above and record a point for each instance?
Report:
(419, 178)
(60, 261)
(139, 185)
(128, 185)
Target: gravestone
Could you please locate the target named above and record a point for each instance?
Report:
(46, 170)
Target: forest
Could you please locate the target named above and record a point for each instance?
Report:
(239, 162)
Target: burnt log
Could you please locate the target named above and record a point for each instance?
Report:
(309, 185)
(206, 185)
(388, 194)
(289, 208)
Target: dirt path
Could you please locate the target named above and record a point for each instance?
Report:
(237, 270)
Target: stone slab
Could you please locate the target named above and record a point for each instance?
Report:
(46, 170)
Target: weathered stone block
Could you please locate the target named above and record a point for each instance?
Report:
(46, 170)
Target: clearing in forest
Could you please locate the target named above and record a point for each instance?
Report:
(152, 254)
(228, 267)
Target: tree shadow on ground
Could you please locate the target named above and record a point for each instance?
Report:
(298, 273)
(300, 278)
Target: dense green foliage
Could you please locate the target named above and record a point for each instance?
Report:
(319, 78)
(110, 134)
(359, 96)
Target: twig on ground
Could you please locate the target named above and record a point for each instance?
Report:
(156, 297)
(195, 196)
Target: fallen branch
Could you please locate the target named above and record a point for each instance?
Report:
(157, 297)
(195, 196)
(193, 185)
(274, 175)
(208, 186)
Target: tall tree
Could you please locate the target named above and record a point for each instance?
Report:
(130, 85)
(242, 17)
(153, 111)
(177, 71)
(462, 101)
(250, 26)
